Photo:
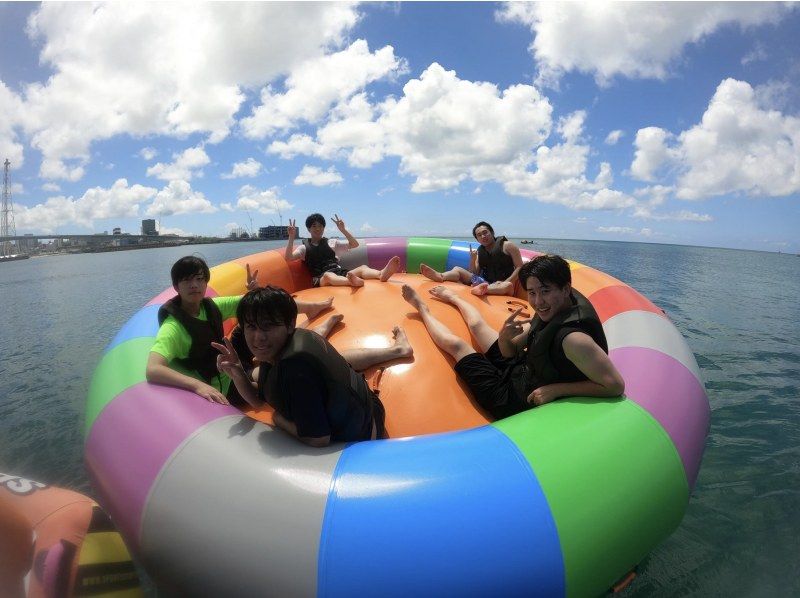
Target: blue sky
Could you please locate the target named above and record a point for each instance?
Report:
(655, 122)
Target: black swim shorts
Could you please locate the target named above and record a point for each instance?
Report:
(335, 270)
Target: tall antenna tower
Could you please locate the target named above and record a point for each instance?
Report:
(7, 228)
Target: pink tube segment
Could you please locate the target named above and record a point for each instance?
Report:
(122, 476)
(381, 249)
(672, 395)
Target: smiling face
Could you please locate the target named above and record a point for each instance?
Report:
(267, 340)
(316, 231)
(192, 289)
(547, 298)
(484, 236)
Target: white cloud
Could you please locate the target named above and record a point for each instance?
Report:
(16, 189)
(629, 39)
(757, 54)
(52, 187)
(11, 109)
(173, 230)
(626, 230)
(160, 68)
(248, 168)
(184, 166)
(267, 201)
(738, 147)
(148, 153)
(178, 197)
(317, 84)
(367, 228)
(313, 175)
(118, 201)
(614, 136)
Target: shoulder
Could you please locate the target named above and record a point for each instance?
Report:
(576, 343)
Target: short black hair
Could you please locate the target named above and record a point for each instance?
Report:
(267, 306)
(188, 266)
(315, 217)
(552, 269)
(482, 223)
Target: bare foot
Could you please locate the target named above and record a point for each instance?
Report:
(443, 293)
(314, 308)
(392, 266)
(479, 290)
(430, 273)
(354, 280)
(412, 297)
(401, 343)
(328, 325)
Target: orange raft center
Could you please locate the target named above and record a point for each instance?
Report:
(422, 394)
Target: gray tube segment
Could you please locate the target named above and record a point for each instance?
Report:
(238, 512)
(646, 329)
(353, 258)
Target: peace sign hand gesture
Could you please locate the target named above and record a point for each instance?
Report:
(473, 255)
(252, 282)
(339, 223)
(292, 228)
(513, 327)
(228, 361)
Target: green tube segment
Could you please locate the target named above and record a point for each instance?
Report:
(432, 252)
(609, 457)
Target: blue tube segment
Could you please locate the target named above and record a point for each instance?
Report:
(143, 323)
(456, 514)
(459, 254)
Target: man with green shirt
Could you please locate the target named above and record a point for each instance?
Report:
(182, 354)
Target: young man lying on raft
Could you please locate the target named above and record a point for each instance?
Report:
(189, 323)
(492, 270)
(321, 256)
(317, 395)
(560, 352)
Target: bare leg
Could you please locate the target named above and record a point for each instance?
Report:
(479, 290)
(483, 333)
(329, 279)
(367, 273)
(325, 328)
(361, 359)
(457, 274)
(502, 287)
(441, 334)
(313, 308)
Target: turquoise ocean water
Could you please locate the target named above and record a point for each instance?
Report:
(738, 310)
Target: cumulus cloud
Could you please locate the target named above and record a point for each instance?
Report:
(118, 201)
(12, 110)
(318, 84)
(626, 230)
(183, 167)
(614, 136)
(367, 228)
(313, 175)
(148, 153)
(51, 187)
(739, 146)
(629, 39)
(178, 197)
(160, 68)
(248, 168)
(267, 201)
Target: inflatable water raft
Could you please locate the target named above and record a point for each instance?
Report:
(563, 499)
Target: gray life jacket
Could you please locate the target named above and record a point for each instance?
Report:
(496, 265)
(319, 258)
(202, 356)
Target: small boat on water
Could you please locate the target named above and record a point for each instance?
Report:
(14, 257)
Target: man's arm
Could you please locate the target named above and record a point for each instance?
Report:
(512, 251)
(228, 362)
(474, 267)
(291, 428)
(604, 379)
(342, 229)
(159, 372)
(513, 335)
(290, 254)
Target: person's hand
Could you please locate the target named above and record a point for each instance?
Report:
(473, 255)
(252, 282)
(513, 327)
(542, 395)
(339, 223)
(228, 361)
(292, 228)
(211, 394)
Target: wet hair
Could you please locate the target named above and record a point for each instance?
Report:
(188, 266)
(315, 217)
(549, 269)
(267, 306)
(482, 223)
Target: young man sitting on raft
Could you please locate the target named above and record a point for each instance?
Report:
(317, 395)
(321, 256)
(560, 352)
(190, 322)
(492, 270)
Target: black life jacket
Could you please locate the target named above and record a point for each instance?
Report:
(202, 356)
(320, 258)
(544, 361)
(496, 265)
(350, 403)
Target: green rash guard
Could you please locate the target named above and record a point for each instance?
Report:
(173, 341)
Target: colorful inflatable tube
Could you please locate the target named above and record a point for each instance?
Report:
(564, 499)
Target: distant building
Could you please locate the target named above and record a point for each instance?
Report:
(273, 232)
(149, 227)
(28, 244)
(117, 231)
